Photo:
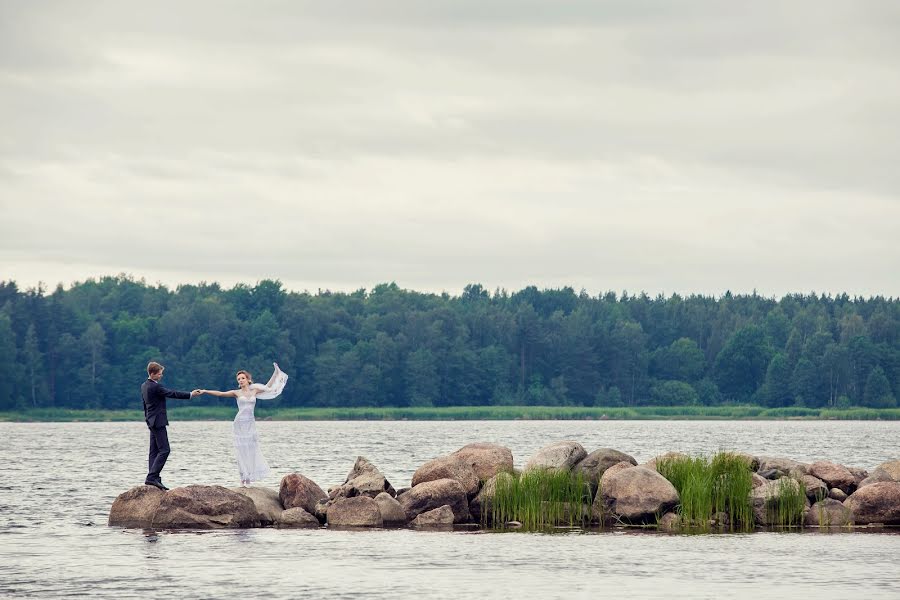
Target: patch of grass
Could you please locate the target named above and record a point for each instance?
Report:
(784, 508)
(539, 499)
(707, 487)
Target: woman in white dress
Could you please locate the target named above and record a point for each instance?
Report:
(252, 465)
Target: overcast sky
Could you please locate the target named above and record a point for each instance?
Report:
(658, 146)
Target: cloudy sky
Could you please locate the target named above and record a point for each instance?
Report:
(659, 146)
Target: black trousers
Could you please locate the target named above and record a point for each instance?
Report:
(159, 452)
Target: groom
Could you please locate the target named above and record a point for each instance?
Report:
(154, 396)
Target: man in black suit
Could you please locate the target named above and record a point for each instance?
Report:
(154, 396)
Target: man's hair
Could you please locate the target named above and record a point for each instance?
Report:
(154, 367)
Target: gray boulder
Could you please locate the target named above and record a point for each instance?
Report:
(296, 518)
(449, 467)
(560, 455)
(205, 507)
(486, 459)
(136, 507)
(836, 494)
(300, 491)
(595, 464)
(815, 487)
(892, 468)
(364, 479)
(876, 503)
(781, 466)
(392, 514)
(621, 466)
(833, 474)
(438, 517)
(267, 503)
(359, 511)
(635, 495)
(828, 513)
(877, 476)
(435, 494)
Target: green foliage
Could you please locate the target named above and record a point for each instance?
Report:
(784, 508)
(878, 390)
(740, 367)
(673, 393)
(540, 498)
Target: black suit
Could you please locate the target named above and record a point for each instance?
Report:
(154, 396)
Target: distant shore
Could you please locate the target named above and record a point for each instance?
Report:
(466, 413)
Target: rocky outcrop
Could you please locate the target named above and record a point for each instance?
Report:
(299, 491)
(595, 464)
(635, 495)
(449, 467)
(876, 503)
(833, 474)
(828, 513)
(438, 517)
(435, 494)
(364, 479)
(205, 507)
(296, 518)
(775, 467)
(265, 500)
(359, 511)
(486, 459)
(392, 514)
(136, 507)
(560, 455)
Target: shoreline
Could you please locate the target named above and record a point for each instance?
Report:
(468, 413)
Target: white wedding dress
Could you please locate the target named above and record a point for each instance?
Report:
(251, 463)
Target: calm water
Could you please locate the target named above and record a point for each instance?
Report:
(57, 482)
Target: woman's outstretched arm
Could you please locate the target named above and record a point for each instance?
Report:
(228, 394)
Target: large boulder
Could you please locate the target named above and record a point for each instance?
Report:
(892, 468)
(621, 466)
(764, 497)
(438, 517)
(267, 503)
(392, 514)
(833, 474)
(877, 476)
(858, 474)
(359, 511)
(876, 503)
(296, 518)
(635, 495)
(651, 464)
(757, 480)
(136, 507)
(836, 494)
(560, 455)
(205, 507)
(449, 467)
(595, 464)
(775, 467)
(815, 487)
(486, 459)
(364, 479)
(828, 513)
(300, 491)
(435, 494)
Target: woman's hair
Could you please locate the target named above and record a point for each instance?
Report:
(247, 373)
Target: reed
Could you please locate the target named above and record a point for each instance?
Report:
(540, 499)
(784, 508)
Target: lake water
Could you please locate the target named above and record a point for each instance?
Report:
(57, 482)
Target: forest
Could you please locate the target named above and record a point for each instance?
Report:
(87, 346)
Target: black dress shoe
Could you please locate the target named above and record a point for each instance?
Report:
(156, 483)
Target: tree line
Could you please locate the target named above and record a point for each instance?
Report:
(87, 346)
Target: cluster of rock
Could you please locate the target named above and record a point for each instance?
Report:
(459, 488)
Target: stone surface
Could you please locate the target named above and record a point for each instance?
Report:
(892, 468)
(763, 496)
(560, 455)
(651, 464)
(266, 500)
(878, 475)
(833, 474)
(858, 474)
(836, 494)
(392, 514)
(757, 480)
(136, 507)
(364, 479)
(486, 459)
(595, 464)
(876, 503)
(205, 507)
(612, 471)
(482, 502)
(300, 491)
(359, 511)
(438, 517)
(434, 494)
(669, 522)
(781, 466)
(449, 467)
(752, 461)
(635, 495)
(828, 513)
(815, 487)
(296, 518)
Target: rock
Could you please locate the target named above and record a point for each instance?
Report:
(434, 494)
(438, 517)
(876, 503)
(205, 507)
(635, 495)
(892, 468)
(449, 467)
(364, 479)
(359, 511)
(877, 476)
(815, 487)
(267, 503)
(296, 518)
(392, 515)
(752, 461)
(670, 522)
(858, 475)
(561, 455)
(612, 471)
(833, 474)
(782, 466)
(300, 491)
(762, 497)
(402, 491)
(757, 480)
(836, 494)
(828, 513)
(486, 459)
(136, 507)
(651, 464)
(595, 464)
(482, 502)
(769, 474)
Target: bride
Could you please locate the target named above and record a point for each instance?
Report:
(251, 463)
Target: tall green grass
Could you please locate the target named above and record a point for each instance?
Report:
(785, 506)
(707, 487)
(540, 499)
